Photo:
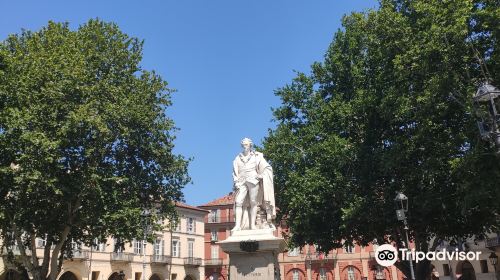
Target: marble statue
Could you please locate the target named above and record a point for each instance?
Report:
(254, 205)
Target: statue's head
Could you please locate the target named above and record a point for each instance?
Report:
(246, 144)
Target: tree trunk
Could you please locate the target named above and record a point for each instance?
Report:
(423, 270)
(404, 267)
(37, 274)
(56, 254)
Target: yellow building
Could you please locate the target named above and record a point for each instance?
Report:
(175, 255)
(480, 269)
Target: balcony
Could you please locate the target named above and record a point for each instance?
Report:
(160, 259)
(121, 257)
(213, 262)
(192, 261)
(213, 219)
(321, 257)
(218, 219)
(492, 242)
(16, 251)
(79, 255)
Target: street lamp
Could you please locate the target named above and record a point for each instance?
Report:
(487, 107)
(494, 261)
(401, 201)
(145, 214)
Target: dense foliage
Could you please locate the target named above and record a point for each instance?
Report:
(85, 143)
(390, 109)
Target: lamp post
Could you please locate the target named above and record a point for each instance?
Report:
(145, 214)
(308, 263)
(494, 261)
(401, 201)
(450, 267)
(487, 107)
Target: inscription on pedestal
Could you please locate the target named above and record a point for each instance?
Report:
(256, 266)
(249, 246)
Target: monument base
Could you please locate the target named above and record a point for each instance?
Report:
(253, 254)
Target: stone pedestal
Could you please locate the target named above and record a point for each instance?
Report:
(253, 254)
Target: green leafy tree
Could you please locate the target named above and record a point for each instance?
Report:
(390, 109)
(85, 143)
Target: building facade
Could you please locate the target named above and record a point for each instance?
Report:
(350, 263)
(218, 223)
(481, 269)
(174, 255)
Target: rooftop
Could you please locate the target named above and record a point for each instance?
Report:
(186, 206)
(228, 199)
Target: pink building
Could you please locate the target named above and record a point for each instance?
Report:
(349, 263)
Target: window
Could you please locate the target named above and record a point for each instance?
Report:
(158, 247)
(119, 246)
(191, 225)
(190, 248)
(375, 244)
(351, 275)
(176, 248)
(214, 252)
(41, 242)
(95, 275)
(295, 274)
(214, 276)
(139, 246)
(484, 266)
(98, 246)
(379, 274)
(175, 225)
(349, 249)
(75, 246)
(214, 216)
(294, 252)
(213, 235)
(446, 269)
(322, 274)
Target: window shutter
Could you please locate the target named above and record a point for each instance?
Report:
(162, 247)
(179, 248)
(194, 225)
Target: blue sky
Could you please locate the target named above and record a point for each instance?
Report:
(224, 58)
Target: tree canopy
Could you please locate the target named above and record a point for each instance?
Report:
(85, 143)
(390, 109)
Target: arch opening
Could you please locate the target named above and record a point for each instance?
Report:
(68, 275)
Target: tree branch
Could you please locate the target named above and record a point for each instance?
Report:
(22, 249)
(34, 258)
(46, 258)
(57, 253)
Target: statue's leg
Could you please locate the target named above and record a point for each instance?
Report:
(253, 191)
(238, 211)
